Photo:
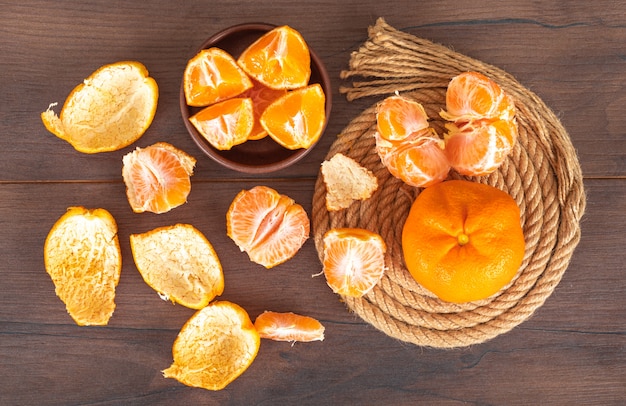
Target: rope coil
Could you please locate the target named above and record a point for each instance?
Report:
(542, 174)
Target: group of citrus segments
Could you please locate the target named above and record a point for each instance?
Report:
(265, 91)
(245, 99)
(481, 132)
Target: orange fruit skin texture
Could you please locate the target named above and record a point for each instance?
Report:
(157, 177)
(213, 75)
(288, 327)
(463, 240)
(296, 120)
(82, 256)
(354, 260)
(227, 123)
(280, 59)
(483, 129)
(406, 144)
(270, 227)
(110, 110)
(179, 263)
(214, 347)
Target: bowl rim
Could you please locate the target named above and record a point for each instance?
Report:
(215, 154)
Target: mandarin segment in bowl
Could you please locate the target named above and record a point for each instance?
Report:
(211, 76)
(296, 120)
(279, 59)
(227, 123)
(259, 154)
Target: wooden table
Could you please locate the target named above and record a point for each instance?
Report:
(573, 349)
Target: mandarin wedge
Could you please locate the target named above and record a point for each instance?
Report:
(474, 96)
(407, 146)
(262, 96)
(296, 120)
(214, 347)
(463, 240)
(225, 124)
(419, 160)
(157, 177)
(213, 75)
(179, 263)
(82, 256)
(479, 147)
(398, 117)
(354, 260)
(110, 110)
(270, 227)
(280, 59)
(288, 327)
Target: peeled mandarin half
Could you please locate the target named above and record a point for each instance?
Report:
(288, 327)
(479, 148)
(418, 160)
(270, 227)
(82, 256)
(179, 263)
(354, 260)
(280, 59)
(474, 96)
(296, 120)
(227, 123)
(110, 110)
(407, 146)
(216, 345)
(157, 177)
(213, 75)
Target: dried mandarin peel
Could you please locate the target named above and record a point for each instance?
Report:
(83, 258)
(110, 110)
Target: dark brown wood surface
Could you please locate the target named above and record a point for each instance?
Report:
(572, 351)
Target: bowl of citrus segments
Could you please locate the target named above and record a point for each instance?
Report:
(255, 97)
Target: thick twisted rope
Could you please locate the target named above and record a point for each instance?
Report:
(542, 174)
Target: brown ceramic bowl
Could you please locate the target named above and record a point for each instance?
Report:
(264, 155)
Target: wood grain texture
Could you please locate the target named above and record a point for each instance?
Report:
(572, 351)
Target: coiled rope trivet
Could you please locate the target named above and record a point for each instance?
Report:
(542, 174)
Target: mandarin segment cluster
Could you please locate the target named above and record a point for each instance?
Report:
(481, 132)
(264, 91)
(82, 253)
